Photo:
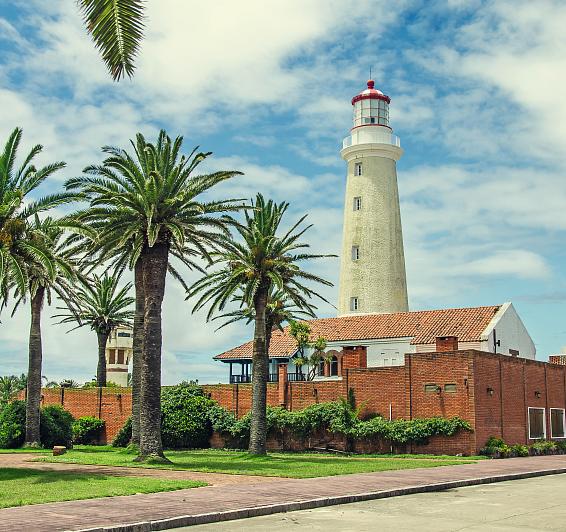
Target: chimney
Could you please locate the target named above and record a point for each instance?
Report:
(446, 343)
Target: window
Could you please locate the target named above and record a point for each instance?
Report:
(358, 203)
(537, 423)
(112, 356)
(386, 362)
(450, 388)
(358, 169)
(354, 304)
(355, 253)
(513, 352)
(334, 367)
(431, 388)
(393, 361)
(124, 335)
(120, 356)
(557, 423)
(321, 365)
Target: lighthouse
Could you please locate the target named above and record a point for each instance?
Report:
(372, 269)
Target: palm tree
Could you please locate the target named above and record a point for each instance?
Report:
(149, 204)
(48, 269)
(10, 385)
(262, 261)
(100, 304)
(17, 211)
(116, 27)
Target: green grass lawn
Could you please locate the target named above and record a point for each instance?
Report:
(294, 465)
(19, 487)
(25, 450)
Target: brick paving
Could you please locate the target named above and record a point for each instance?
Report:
(159, 511)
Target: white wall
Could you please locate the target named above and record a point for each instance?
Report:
(510, 332)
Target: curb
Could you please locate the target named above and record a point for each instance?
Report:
(309, 504)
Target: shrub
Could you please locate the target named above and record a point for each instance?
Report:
(124, 436)
(185, 417)
(543, 447)
(12, 425)
(87, 430)
(56, 426)
(520, 450)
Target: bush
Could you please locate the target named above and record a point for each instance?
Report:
(12, 425)
(543, 447)
(520, 450)
(185, 417)
(56, 427)
(124, 436)
(87, 430)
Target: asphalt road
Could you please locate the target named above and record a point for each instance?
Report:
(519, 505)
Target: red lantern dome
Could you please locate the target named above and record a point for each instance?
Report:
(371, 107)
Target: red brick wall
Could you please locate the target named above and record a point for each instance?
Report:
(514, 384)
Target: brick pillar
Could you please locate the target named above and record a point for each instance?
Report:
(446, 344)
(282, 384)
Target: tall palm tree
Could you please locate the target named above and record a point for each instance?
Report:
(100, 304)
(116, 27)
(151, 203)
(262, 260)
(48, 271)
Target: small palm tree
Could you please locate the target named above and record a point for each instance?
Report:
(116, 27)
(100, 304)
(10, 385)
(150, 204)
(263, 260)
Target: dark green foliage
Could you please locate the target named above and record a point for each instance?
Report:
(185, 421)
(12, 425)
(87, 430)
(124, 436)
(340, 418)
(56, 426)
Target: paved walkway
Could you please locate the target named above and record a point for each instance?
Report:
(25, 460)
(159, 511)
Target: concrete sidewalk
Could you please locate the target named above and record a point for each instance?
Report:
(159, 511)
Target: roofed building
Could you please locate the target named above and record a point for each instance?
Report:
(384, 339)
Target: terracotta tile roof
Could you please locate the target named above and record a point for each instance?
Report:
(423, 327)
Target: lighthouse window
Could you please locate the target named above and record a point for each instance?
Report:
(354, 304)
(358, 169)
(358, 203)
(355, 253)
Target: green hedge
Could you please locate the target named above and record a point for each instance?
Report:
(55, 427)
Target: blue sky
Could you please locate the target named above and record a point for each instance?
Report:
(478, 100)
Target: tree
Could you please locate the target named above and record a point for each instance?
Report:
(262, 260)
(150, 203)
(48, 270)
(10, 385)
(100, 304)
(301, 332)
(116, 27)
(29, 263)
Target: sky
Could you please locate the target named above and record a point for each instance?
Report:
(477, 98)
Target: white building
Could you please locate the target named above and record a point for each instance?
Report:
(119, 353)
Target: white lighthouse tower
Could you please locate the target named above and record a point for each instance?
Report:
(372, 270)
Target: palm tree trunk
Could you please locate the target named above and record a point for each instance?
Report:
(260, 369)
(137, 351)
(33, 395)
(155, 262)
(101, 370)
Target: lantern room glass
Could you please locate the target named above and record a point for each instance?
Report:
(371, 111)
